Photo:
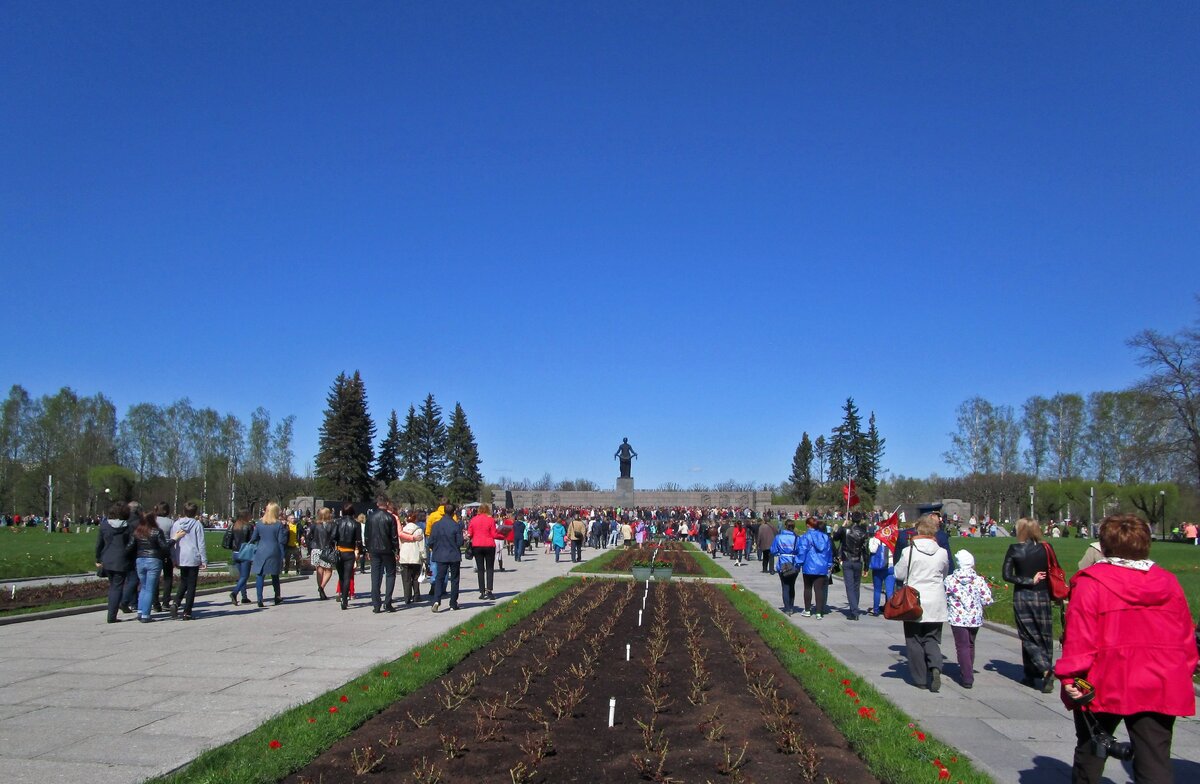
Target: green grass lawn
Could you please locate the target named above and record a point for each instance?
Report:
(1181, 559)
(31, 552)
(600, 565)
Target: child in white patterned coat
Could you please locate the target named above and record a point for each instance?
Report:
(966, 595)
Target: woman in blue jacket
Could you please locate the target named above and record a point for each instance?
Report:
(270, 535)
(785, 547)
(816, 561)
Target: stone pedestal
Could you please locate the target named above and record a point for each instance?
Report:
(624, 494)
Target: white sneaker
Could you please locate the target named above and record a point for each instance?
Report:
(818, 616)
(806, 614)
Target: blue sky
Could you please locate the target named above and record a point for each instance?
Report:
(698, 225)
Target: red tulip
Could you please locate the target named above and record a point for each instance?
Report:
(274, 744)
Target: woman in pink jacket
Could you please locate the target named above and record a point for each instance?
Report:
(1129, 635)
(482, 534)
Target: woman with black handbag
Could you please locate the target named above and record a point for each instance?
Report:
(237, 536)
(784, 547)
(923, 566)
(321, 554)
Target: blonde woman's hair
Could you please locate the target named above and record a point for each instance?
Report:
(927, 525)
(271, 513)
(485, 509)
(1028, 529)
(325, 515)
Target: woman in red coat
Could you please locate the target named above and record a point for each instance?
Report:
(737, 540)
(1129, 634)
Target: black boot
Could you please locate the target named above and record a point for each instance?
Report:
(321, 590)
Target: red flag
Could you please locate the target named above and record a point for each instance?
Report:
(889, 530)
(848, 493)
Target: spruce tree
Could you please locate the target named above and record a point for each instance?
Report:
(821, 453)
(431, 445)
(345, 452)
(801, 477)
(462, 459)
(873, 457)
(409, 448)
(388, 465)
(847, 445)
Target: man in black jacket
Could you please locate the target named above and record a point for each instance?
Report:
(383, 543)
(852, 542)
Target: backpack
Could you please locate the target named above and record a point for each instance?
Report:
(879, 559)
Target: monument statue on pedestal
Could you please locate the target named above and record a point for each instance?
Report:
(625, 454)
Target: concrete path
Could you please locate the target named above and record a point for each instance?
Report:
(84, 701)
(1017, 734)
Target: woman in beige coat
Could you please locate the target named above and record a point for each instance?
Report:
(410, 558)
(923, 566)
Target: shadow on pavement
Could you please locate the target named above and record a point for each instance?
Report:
(1014, 671)
(1046, 770)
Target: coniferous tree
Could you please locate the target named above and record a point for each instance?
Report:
(388, 464)
(463, 478)
(409, 448)
(821, 453)
(846, 445)
(873, 458)
(431, 445)
(801, 477)
(345, 452)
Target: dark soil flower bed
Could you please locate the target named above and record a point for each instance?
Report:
(682, 561)
(40, 596)
(702, 699)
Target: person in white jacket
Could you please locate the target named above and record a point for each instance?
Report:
(923, 566)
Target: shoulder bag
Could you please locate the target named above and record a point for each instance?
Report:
(247, 551)
(1055, 575)
(905, 602)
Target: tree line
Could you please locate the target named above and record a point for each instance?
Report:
(416, 463)
(154, 452)
(849, 453)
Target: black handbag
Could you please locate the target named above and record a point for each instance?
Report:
(102, 573)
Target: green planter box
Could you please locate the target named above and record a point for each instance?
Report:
(662, 574)
(642, 573)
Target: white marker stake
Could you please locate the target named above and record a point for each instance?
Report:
(626, 651)
(639, 617)
(612, 709)
(14, 593)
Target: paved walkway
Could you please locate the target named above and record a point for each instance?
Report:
(1017, 734)
(84, 701)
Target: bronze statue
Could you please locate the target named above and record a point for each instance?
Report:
(625, 454)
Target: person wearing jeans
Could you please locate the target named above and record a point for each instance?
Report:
(149, 545)
(445, 549)
(883, 578)
(853, 544)
(164, 521)
(577, 532)
(190, 554)
(558, 538)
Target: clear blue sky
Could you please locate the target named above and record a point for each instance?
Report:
(697, 225)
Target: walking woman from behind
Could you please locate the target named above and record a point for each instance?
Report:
(191, 556)
(784, 547)
(923, 566)
(113, 554)
(270, 535)
(320, 544)
(347, 539)
(239, 535)
(816, 561)
(150, 547)
(1129, 635)
(482, 533)
(410, 557)
(1025, 566)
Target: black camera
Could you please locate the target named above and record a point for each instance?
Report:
(1104, 745)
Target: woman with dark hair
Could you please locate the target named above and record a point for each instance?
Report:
(347, 539)
(271, 536)
(1129, 635)
(483, 534)
(816, 560)
(239, 534)
(320, 538)
(149, 548)
(113, 554)
(1025, 566)
(785, 547)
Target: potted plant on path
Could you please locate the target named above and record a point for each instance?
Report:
(642, 569)
(661, 570)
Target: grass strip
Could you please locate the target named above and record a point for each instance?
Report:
(888, 740)
(101, 601)
(602, 564)
(289, 741)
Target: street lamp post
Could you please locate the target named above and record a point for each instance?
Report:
(1162, 503)
(1032, 514)
(1091, 509)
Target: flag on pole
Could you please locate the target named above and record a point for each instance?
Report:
(850, 494)
(889, 531)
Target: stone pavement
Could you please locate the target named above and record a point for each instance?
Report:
(85, 701)
(1016, 734)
